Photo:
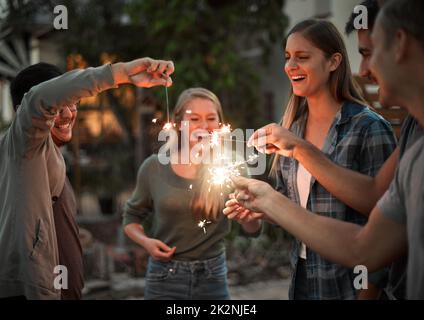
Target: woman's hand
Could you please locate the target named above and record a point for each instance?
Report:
(273, 138)
(159, 250)
(156, 248)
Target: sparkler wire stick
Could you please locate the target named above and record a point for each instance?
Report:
(234, 140)
(167, 103)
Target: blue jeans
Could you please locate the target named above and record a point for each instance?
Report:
(187, 280)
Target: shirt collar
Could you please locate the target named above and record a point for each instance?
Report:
(348, 110)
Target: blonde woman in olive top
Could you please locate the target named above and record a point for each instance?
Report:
(185, 262)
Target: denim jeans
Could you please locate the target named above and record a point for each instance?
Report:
(187, 280)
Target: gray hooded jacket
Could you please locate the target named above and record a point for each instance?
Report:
(32, 174)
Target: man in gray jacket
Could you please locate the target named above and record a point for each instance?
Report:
(38, 232)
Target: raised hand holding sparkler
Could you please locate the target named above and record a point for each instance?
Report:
(144, 72)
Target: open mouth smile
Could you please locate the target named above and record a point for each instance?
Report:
(298, 78)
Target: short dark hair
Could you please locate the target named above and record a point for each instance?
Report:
(30, 77)
(405, 15)
(372, 8)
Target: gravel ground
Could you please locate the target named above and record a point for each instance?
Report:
(264, 290)
(122, 287)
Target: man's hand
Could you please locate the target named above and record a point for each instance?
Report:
(144, 72)
(273, 138)
(252, 194)
(235, 211)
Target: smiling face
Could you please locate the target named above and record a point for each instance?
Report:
(202, 116)
(306, 66)
(383, 67)
(365, 48)
(63, 124)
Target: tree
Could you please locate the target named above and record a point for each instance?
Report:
(209, 41)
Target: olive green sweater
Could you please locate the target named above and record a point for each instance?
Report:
(167, 196)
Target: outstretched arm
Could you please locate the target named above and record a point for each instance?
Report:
(362, 191)
(374, 245)
(40, 106)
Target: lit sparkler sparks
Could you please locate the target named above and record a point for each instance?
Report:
(167, 126)
(214, 139)
(202, 224)
(226, 129)
(215, 136)
(221, 175)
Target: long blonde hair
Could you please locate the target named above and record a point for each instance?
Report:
(324, 36)
(204, 204)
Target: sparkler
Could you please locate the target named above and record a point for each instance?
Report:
(202, 224)
(216, 136)
(168, 125)
(222, 174)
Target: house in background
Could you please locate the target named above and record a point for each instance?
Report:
(21, 49)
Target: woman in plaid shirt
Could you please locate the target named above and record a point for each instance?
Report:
(327, 110)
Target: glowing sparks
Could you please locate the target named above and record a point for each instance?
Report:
(226, 129)
(202, 224)
(168, 126)
(252, 158)
(221, 175)
(214, 139)
(215, 136)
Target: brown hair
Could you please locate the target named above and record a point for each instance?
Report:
(405, 15)
(324, 36)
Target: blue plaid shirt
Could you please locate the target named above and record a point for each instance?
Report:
(361, 140)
